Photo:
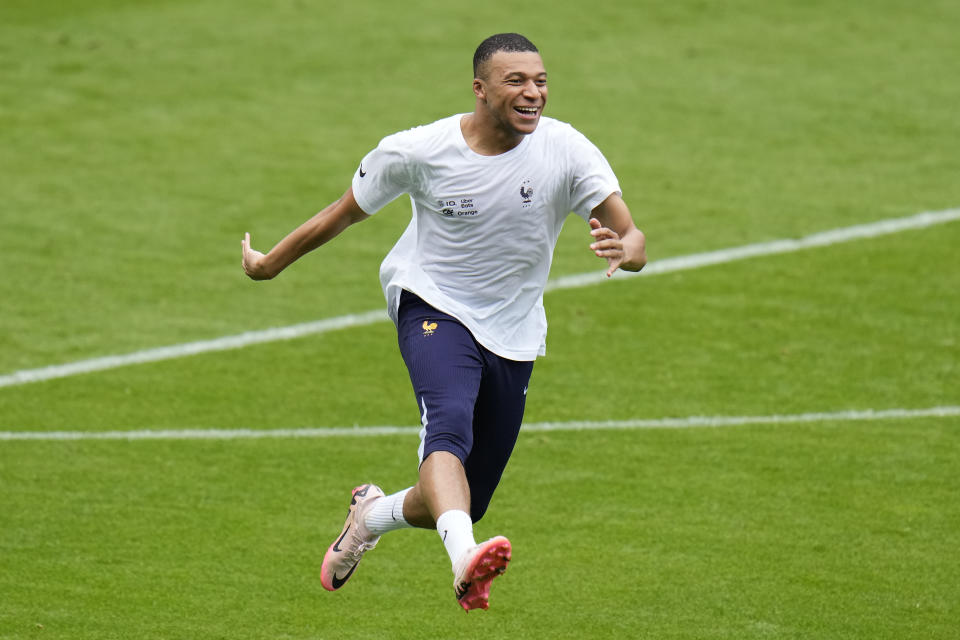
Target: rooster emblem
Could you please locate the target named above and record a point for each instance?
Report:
(429, 327)
(526, 193)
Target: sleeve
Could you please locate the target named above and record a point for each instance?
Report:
(383, 175)
(591, 178)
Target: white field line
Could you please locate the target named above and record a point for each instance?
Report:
(733, 254)
(668, 265)
(171, 352)
(360, 432)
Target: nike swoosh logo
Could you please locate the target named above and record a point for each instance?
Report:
(339, 582)
(362, 172)
(336, 545)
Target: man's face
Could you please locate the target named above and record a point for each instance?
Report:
(513, 87)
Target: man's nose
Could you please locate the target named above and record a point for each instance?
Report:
(531, 90)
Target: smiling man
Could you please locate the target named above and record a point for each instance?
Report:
(511, 91)
(464, 284)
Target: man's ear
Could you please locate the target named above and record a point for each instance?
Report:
(478, 89)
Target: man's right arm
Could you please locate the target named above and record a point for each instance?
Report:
(313, 233)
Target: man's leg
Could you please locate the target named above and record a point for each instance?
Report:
(498, 413)
(441, 498)
(442, 495)
(446, 368)
(498, 416)
(442, 487)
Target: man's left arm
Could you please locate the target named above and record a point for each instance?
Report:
(615, 237)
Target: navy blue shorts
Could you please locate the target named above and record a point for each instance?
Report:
(471, 400)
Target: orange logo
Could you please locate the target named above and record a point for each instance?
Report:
(429, 327)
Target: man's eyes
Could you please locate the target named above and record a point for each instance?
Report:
(540, 82)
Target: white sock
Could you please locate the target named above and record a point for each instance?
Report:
(386, 514)
(456, 530)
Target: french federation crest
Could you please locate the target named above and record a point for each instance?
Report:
(526, 192)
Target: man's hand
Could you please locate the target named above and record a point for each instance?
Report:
(253, 261)
(616, 238)
(606, 244)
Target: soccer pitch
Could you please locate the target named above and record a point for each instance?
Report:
(764, 446)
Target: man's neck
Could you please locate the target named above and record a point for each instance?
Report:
(485, 138)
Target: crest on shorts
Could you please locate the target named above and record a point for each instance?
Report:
(429, 327)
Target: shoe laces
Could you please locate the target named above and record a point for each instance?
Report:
(361, 545)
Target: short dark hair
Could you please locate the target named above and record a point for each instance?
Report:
(509, 42)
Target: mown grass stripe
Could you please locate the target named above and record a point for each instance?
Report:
(668, 265)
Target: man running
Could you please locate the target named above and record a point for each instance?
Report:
(464, 285)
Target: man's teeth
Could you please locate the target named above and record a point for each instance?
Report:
(527, 110)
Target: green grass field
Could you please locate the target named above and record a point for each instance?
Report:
(140, 140)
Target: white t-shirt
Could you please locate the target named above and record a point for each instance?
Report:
(481, 238)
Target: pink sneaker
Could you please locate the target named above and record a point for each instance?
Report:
(476, 568)
(344, 554)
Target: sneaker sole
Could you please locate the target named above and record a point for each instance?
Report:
(490, 561)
